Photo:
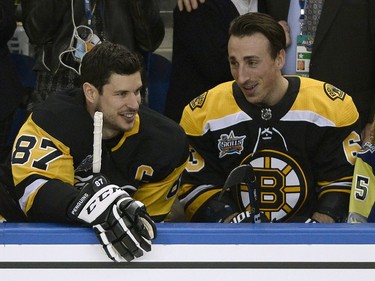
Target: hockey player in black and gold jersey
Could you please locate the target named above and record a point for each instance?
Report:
(144, 154)
(300, 136)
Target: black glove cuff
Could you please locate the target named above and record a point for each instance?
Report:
(335, 205)
(215, 210)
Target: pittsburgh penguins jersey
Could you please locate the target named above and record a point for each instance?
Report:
(302, 150)
(52, 158)
(362, 197)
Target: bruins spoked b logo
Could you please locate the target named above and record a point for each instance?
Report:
(282, 185)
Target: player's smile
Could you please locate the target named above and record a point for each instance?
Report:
(249, 89)
(128, 116)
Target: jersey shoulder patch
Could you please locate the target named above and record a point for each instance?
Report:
(333, 92)
(198, 102)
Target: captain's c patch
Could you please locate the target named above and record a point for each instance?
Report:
(333, 92)
(198, 101)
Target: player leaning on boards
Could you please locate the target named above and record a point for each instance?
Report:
(362, 196)
(300, 135)
(143, 156)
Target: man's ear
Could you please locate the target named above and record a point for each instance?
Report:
(280, 59)
(90, 92)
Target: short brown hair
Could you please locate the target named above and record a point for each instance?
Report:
(251, 23)
(106, 59)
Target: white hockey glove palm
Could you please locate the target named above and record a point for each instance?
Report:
(121, 223)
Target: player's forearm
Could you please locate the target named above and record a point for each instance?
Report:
(51, 202)
(334, 205)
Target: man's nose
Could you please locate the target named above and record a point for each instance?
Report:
(133, 100)
(242, 74)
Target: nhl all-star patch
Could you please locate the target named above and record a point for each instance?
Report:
(230, 144)
(198, 101)
(333, 92)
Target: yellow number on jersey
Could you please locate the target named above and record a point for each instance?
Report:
(45, 152)
(196, 162)
(351, 147)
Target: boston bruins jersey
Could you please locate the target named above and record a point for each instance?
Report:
(302, 150)
(52, 158)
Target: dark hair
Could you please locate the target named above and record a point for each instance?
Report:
(105, 59)
(251, 23)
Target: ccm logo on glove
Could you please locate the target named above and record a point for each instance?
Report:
(104, 197)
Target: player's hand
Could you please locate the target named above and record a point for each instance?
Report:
(367, 134)
(188, 5)
(323, 218)
(121, 223)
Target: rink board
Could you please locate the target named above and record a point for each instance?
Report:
(185, 251)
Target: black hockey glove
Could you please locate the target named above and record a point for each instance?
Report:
(243, 217)
(121, 223)
(248, 217)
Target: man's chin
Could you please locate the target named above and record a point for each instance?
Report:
(252, 100)
(128, 126)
